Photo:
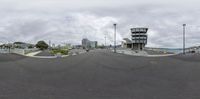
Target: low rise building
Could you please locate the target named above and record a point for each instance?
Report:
(23, 45)
(126, 43)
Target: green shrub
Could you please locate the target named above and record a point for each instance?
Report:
(62, 51)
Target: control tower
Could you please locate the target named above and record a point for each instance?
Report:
(139, 38)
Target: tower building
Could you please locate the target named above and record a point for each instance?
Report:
(139, 38)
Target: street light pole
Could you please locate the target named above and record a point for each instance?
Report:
(184, 25)
(115, 29)
(105, 40)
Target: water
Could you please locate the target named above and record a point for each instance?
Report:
(176, 51)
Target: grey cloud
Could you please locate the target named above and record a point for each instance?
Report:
(69, 21)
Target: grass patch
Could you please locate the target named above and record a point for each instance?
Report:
(61, 51)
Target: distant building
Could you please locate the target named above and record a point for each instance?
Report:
(22, 45)
(89, 44)
(126, 43)
(66, 46)
(93, 44)
(77, 46)
(138, 39)
(85, 43)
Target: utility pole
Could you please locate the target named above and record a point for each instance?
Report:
(105, 39)
(184, 25)
(115, 29)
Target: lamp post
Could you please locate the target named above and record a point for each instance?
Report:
(105, 40)
(115, 27)
(184, 25)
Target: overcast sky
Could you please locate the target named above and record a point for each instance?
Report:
(68, 21)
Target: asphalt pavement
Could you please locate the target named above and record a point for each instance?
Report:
(99, 74)
(45, 53)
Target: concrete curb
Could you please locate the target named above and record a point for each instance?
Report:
(33, 53)
(50, 57)
(164, 55)
(146, 55)
(47, 57)
(151, 55)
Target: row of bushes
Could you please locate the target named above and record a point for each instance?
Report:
(61, 51)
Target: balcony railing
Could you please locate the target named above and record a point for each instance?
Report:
(133, 38)
(139, 34)
(139, 41)
(139, 30)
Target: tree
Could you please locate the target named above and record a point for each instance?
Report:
(42, 45)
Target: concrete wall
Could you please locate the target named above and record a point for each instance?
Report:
(4, 51)
(18, 51)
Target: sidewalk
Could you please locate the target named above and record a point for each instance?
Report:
(33, 53)
(45, 54)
